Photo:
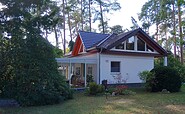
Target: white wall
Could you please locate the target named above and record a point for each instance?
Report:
(130, 67)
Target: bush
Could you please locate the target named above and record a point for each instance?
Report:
(128, 92)
(120, 89)
(173, 63)
(94, 89)
(89, 79)
(32, 77)
(147, 77)
(164, 78)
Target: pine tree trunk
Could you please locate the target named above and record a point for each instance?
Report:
(180, 34)
(90, 16)
(64, 43)
(102, 21)
(56, 37)
(69, 23)
(82, 14)
(174, 30)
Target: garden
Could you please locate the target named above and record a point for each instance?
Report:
(141, 102)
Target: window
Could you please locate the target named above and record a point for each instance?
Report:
(115, 66)
(120, 46)
(77, 70)
(89, 70)
(130, 44)
(140, 45)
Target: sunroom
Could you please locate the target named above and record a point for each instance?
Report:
(78, 71)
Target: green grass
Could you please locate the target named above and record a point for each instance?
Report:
(141, 103)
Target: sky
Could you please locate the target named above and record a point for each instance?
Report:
(129, 8)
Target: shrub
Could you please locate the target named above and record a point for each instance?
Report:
(89, 79)
(147, 78)
(165, 78)
(120, 89)
(128, 92)
(174, 63)
(32, 77)
(94, 89)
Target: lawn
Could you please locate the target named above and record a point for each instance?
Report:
(141, 103)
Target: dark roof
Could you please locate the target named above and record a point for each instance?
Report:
(107, 41)
(113, 39)
(91, 39)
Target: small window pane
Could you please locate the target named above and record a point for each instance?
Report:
(120, 46)
(140, 45)
(130, 44)
(89, 70)
(115, 66)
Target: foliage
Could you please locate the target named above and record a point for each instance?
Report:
(128, 92)
(89, 79)
(147, 77)
(165, 78)
(117, 29)
(29, 73)
(174, 63)
(120, 89)
(94, 89)
(144, 75)
(58, 52)
(71, 45)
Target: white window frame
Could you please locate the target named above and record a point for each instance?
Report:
(119, 67)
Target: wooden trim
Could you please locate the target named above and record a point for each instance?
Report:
(131, 53)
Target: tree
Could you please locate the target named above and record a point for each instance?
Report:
(104, 7)
(150, 13)
(179, 4)
(117, 29)
(30, 75)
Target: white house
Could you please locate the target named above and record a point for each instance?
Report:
(117, 58)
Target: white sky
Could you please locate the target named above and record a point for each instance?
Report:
(129, 8)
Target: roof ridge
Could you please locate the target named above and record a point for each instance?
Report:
(93, 32)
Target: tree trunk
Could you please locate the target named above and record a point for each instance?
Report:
(157, 31)
(102, 21)
(56, 37)
(180, 34)
(82, 14)
(64, 43)
(90, 15)
(69, 23)
(174, 30)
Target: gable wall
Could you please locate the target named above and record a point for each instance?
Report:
(130, 67)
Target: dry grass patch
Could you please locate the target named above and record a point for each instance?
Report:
(121, 101)
(176, 108)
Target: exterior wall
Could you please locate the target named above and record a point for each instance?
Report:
(130, 66)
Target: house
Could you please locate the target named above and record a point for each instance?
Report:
(117, 58)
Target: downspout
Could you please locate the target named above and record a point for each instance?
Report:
(99, 63)
(165, 61)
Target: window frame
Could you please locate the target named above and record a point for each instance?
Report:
(88, 68)
(119, 69)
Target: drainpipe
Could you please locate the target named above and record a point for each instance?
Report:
(101, 49)
(165, 61)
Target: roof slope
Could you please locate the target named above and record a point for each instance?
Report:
(91, 39)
